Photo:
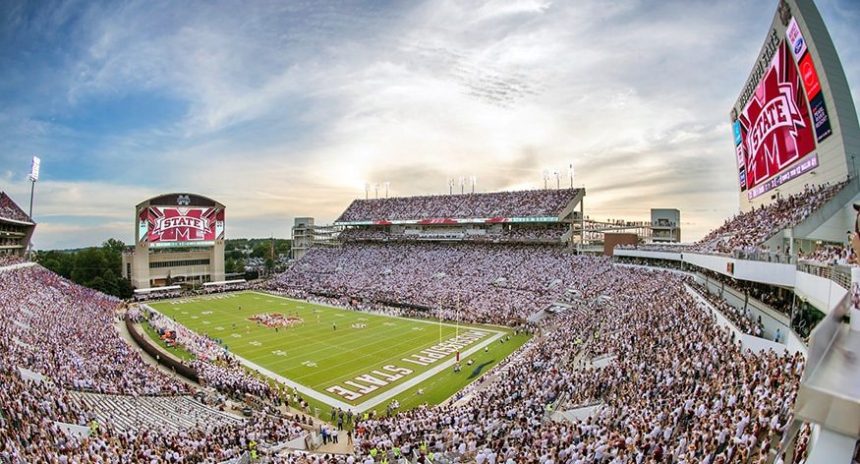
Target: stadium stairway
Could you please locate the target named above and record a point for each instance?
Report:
(134, 413)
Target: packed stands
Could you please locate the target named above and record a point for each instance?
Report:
(526, 203)
(746, 232)
(81, 372)
(830, 255)
(742, 318)
(488, 283)
(679, 389)
(550, 233)
(10, 210)
(678, 385)
(55, 327)
(7, 259)
(743, 235)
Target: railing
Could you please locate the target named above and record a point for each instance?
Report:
(837, 273)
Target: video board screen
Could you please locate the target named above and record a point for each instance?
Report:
(164, 226)
(783, 119)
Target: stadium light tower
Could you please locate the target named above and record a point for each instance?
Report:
(570, 172)
(366, 190)
(557, 180)
(387, 184)
(35, 164)
(450, 186)
(545, 178)
(462, 185)
(473, 180)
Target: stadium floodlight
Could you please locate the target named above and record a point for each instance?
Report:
(557, 180)
(387, 184)
(473, 180)
(570, 172)
(35, 164)
(366, 190)
(462, 184)
(545, 178)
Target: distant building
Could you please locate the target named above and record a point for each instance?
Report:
(665, 225)
(306, 234)
(303, 236)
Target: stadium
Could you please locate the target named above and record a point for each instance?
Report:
(472, 327)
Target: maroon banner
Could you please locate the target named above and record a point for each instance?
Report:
(184, 224)
(776, 127)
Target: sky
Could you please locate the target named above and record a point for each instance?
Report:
(281, 109)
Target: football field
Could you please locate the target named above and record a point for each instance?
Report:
(341, 357)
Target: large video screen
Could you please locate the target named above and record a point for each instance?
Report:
(181, 226)
(778, 128)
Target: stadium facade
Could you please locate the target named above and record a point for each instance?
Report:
(16, 228)
(531, 216)
(179, 239)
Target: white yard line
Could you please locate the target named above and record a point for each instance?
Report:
(424, 375)
(382, 397)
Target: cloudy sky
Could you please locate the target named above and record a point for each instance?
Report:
(288, 108)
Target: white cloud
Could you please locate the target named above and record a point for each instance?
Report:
(292, 107)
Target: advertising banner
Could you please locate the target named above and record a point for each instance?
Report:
(795, 39)
(810, 77)
(820, 117)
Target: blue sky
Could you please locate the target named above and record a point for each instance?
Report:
(281, 109)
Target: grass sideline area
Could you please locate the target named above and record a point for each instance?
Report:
(347, 355)
(177, 351)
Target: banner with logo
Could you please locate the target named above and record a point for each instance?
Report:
(174, 225)
(775, 125)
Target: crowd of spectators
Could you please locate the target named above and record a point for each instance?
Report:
(231, 286)
(776, 298)
(64, 335)
(52, 326)
(829, 255)
(524, 203)
(496, 283)
(551, 233)
(678, 387)
(7, 259)
(10, 210)
(746, 232)
(742, 318)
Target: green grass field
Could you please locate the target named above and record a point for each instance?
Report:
(351, 357)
